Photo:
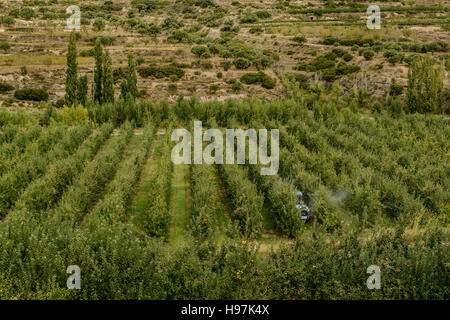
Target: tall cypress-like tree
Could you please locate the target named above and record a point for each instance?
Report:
(131, 77)
(82, 89)
(123, 89)
(72, 72)
(108, 82)
(98, 72)
(424, 86)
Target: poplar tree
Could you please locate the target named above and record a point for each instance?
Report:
(108, 82)
(131, 77)
(98, 72)
(72, 72)
(82, 90)
(124, 89)
(424, 86)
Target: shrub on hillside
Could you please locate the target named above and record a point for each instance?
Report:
(5, 46)
(263, 14)
(248, 18)
(259, 78)
(31, 94)
(242, 63)
(5, 87)
(299, 39)
(99, 24)
(395, 89)
(201, 51)
(160, 72)
(347, 57)
(368, 54)
(236, 86)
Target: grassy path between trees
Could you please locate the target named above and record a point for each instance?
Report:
(223, 213)
(128, 150)
(179, 203)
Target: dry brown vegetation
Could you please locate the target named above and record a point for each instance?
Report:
(36, 57)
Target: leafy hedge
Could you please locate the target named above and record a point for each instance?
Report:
(11, 152)
(51, 146)
(247, 203)
(204, 201)
(160, 72)
(259, 78)
(156, 218)
(31, 94)
(5, 87)
(113, 207)
(281, 196)
(43, 193)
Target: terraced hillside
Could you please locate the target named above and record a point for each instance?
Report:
(203, 48)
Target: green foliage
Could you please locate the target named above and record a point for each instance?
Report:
(236, 86)
(242, 63)
(247, 203)
(155, 219)
(108, 80)
(132, 89)
(425, 85)
(368, 54)
(299, 39)
(27, 13)
(5, 87)
(160, 72)
(31, 94)
(82, 90)
(5, 46)
(201, 51)
(126, 109)
(71, 72)
(144, 6)
(394, 56)
(259, 78)
(326, 214)
(171, 23)
(22, 118)
(179, 36)
(213, 88)
(379, 186)
(204, 202)
(396, 108)
(113, 207)
(104, 40)
(281, 196)
(395, 89)
(248, 17)
(172, 87)
(99, 24)
(10, 152)
(7, 20)
(74, 115)
(263, 14)
(44, 192)
(98, 72)
(56, 143)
